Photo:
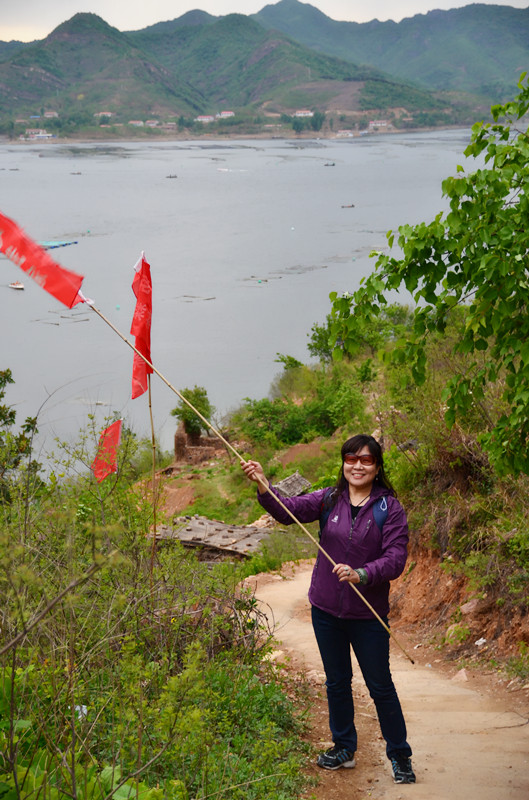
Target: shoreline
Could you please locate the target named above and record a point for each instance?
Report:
(263, 136)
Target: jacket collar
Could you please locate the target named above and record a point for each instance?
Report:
(376, 492)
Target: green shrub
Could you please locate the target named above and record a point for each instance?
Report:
(313, 402)
(519, 665)
(517, 547)
(457, 633)
(289, 545)
(122, 687)
(193, 424)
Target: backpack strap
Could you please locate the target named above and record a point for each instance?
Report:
(380, 512)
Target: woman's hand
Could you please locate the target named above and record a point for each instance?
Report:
(346, 573)
(254, 471)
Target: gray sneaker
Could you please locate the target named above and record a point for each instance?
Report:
(335, 758)
(402, 770)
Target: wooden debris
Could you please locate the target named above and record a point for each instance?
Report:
(293, 486)
(244, 540)
(216, 538)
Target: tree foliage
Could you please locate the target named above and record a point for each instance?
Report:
(316, 403)
(476, 255)
(362, 334)
(15, 448)
(198, 397)
(317, 120)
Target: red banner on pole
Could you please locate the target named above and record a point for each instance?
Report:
(106, 460)
(63, 284)
(141, 326)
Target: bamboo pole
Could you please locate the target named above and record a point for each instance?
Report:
(241, 459)
(153, 441)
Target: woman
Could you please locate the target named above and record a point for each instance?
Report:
(365, 532)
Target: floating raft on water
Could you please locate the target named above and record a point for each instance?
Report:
(50, 245)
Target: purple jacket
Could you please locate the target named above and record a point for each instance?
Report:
(361, 544)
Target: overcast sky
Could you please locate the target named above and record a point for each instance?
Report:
(26, 20)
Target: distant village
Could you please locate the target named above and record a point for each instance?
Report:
(104, 119)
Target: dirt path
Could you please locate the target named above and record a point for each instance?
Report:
(469, 736)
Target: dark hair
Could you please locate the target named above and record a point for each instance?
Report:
(354, 445)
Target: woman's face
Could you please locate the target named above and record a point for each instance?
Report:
(358, 475)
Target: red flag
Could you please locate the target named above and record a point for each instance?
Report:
(33, 259)
(141, 326)
(106, 460)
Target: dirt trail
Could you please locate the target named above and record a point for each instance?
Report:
(470, 739)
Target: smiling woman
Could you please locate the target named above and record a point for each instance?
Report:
(365, 535)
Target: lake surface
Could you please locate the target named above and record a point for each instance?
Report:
(245, 244)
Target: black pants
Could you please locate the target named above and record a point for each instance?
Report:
(370, 643)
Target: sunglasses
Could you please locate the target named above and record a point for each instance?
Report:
(367, 460)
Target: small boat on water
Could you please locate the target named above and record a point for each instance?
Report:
(16, 285)
(50, 245)
(53, 245)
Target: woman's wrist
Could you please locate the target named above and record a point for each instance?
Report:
(362, 574)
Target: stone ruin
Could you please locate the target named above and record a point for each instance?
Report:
(195, 449)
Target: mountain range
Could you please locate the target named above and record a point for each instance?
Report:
(286, 57)
(479, 48)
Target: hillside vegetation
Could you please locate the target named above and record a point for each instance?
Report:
(126, 669)
(479, 48)
(86, 65)
(264, 67)
(172, 68)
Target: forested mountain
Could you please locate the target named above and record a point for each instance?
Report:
(8, 49)
(86, 63)
(190, 65)
(481, 49)
(286, 57)
(234, 60)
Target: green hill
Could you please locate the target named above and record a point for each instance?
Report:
(7, 49)
(191, 65)
(87, 63)
(480, 49)
(234, 60)
(189, 19)
(436, 67)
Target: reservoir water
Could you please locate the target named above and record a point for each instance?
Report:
(245, 241)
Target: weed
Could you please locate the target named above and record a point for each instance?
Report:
(457, 633)
(517, 585)
(410, 569)
(519, 665)
(517, 546)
